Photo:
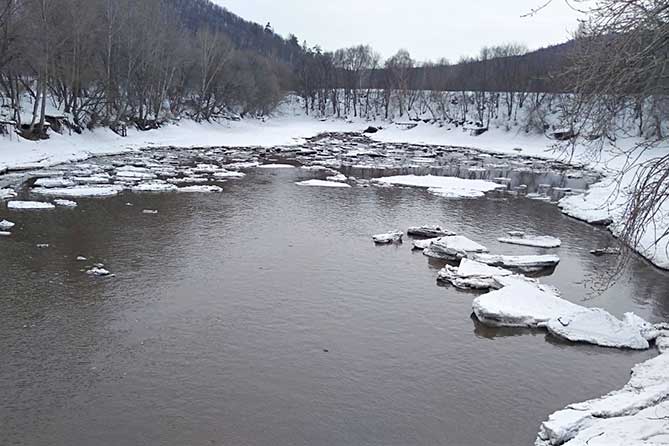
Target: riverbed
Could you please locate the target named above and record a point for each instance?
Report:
(265, 315)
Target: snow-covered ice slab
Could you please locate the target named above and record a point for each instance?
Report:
(229, 174)
(65, 203)
(525, 264)
(340, 177)
(390, 237)
(155, 186)
(472, 275)
(637, 414)
(80, 191)
(599, 327)
(6, 225)
(521, 303)
(29, 205)
(538, 241)
(453, 248)
(7, 193)
(429, 231)
(323, 183)
(424, 243)
(449, 187)
(276, 166)
(204, 189)
(53, 182)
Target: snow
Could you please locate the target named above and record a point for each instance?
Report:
(80, 191)
(647, 330)
(529, 263)
(65, 203)
(423, 244)
(449, 187)
(453, 247)
(389, 237)
(200, 189)
(6, 225)
(597, 326)
(29, 205)
(429, 231)
(538, 241)
(634, 415)
(521, 303)
(53, 182)
(323, 183)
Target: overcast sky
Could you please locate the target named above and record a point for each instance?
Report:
(429, 29)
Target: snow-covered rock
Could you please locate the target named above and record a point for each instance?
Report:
(599, 327)
(521, 303)
(80, 191)
(449, 187)
(200, 189)
(429, 231)
(453, 248)
(539, 241)
(389, 237)
(323, 183)
(6, 225)
(65, 203)
(634, 415)
(472, 275)
(29, 205)
(526, 264)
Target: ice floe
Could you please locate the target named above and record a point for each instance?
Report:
(538, 241)
(339, 177)
(80, 191)
(472, 275)
(424, 243)
(449, 187)
(7, 193)
(597, 326)
(200, 189)
(53, 182)
(390, 237)
(99, 271)
(276, 166)
(154, 186)
(65, 203)
(429, 231)
(29, 205)
(453, 247)
(322, 183)
(6, 225)
(526, 264)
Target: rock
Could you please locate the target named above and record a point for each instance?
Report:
(387, 238)
(155, 186)
(526, 264)
(599, 327)
(429, 231)
(605, 251)
(539, 241)
(647, 330)
(371, 129)
(453, 248)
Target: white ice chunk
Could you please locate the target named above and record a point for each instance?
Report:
(6, 225)
(154, 186)
(453, 247)
(322, 183)
(599, 327)
(200, 189)
(390, 237)
(429, 231)
(526, 264)
(472, 274)
(450, 187)
(521, 303)
(65, 203)
(53, 182)
(340, 177)
(647, 330)
(539, 241)
(25, 205)
(80, 191)
(277, 166)
(7, 193)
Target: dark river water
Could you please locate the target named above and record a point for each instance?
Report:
(265, 315)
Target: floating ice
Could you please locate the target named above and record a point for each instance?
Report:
(453, 248)
(53, 182)
(200, 189)
(99, 272)
(7, 193)
(154, 186)
(450, 187)
(539, 241)
(29, 205)
(390, 237)
(65, 203)
(429, 231)
(6, 225)
(277, 166)
(229, 174)
(472, 275)
(423, 244)
(80, 191)
(322, 183)
(525, 264)
(597, 326)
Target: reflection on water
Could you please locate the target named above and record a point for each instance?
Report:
(216, 327)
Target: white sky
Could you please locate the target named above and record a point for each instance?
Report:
(429, 29)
